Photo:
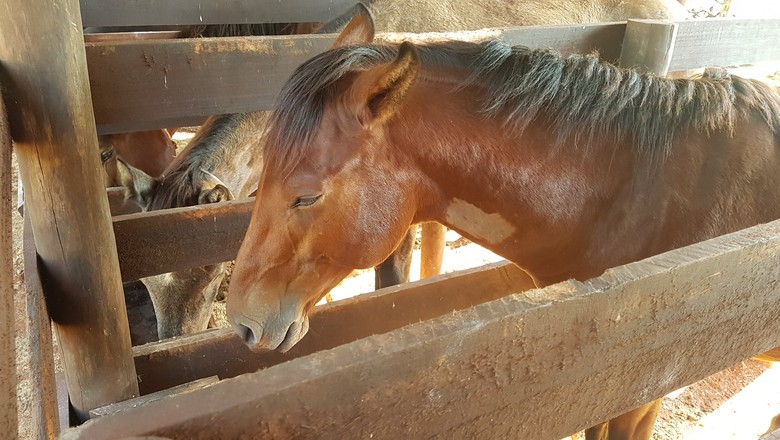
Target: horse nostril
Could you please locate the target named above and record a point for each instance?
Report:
(246, 334)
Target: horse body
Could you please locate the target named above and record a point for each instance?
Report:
(449, 15)
(224, 146)
(238, 175)
(566, 167)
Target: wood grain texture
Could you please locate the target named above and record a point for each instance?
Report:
(176, 12)
(648, 46)
(169, 240)
(44, 73)
(155, 84)
(115, 408)
(8, 415)
(147, 85)
(221, 353)
(540, 365)
(44, 408)
(725, 42)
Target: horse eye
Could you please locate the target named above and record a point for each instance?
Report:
(306, 201)
(104, 156)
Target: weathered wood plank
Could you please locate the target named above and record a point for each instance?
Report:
(540, 365)
(8, 416)
(725, 42)
(156, 84)
(45, 77)
(169, 240)
(115, 408)
(45, 408)
(117, 203)
(222, 353)
(176, 12)
(648, 46)
(146, 85)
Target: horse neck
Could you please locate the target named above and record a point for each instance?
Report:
(523, 196)
(228, 147)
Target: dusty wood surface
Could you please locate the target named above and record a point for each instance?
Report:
(725, 42)
(8, 417)
(146, 85)
(432, 249)
(176, 12)
(117, 203)
(648, 46)
(539, 365)
(45, 78)
(168, 240)
(222, 353)
(156, 84)
(45, 409)
(153, 397)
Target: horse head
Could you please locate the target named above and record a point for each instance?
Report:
(178, 310)
(297, 246)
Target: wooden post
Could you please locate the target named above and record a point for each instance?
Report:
(648, 46)
(8, 419)
(431, 249)
(44, 72)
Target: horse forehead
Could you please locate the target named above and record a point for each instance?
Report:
(491, 227)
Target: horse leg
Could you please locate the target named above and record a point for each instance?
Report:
(395, 270)
(183, 300)
(772, 355)
(636, 424)
(432, 249)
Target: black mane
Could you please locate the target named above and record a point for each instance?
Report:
(584, 97)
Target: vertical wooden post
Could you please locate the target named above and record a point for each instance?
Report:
(44, 71)
(648, 46)
(431, 249)
(8, 418)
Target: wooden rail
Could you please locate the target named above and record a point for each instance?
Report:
(179, 82)
(540, 364)
(169, 240)
(176, 12)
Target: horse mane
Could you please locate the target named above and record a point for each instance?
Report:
(583, 97)
(237, 30)
(179, 185)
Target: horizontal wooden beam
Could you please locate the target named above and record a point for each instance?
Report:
(169, 240)
(144, 85)
(540, 364)
(177, 12)
(222, 353)
(155, 84)
(725, 42)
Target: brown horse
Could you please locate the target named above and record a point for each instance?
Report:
(565, 166)
(150, 151)
(183, 300)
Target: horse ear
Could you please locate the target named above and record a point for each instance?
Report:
(359, 30)
(138, 185)
(389, 91)
(212, 190)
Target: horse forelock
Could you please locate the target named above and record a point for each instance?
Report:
(299, 106)
(587, 100)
